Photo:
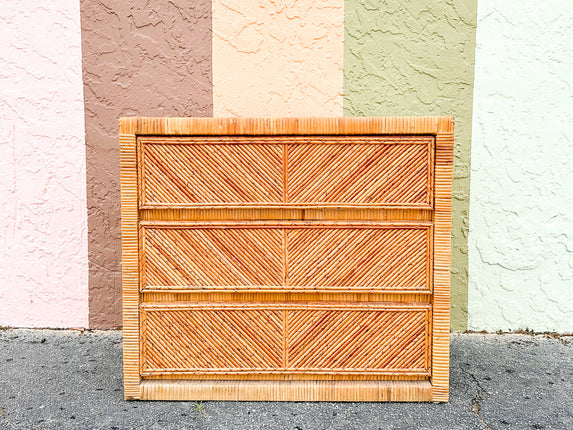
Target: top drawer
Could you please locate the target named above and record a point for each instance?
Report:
(293, 171)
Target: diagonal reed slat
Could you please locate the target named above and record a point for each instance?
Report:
(356, 340)
(212, 173)
(375, 174)
(210, 340)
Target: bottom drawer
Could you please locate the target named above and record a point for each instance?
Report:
(215, 338)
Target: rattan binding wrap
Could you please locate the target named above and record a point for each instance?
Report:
(286, 259)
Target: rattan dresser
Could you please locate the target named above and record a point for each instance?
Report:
(300, 259)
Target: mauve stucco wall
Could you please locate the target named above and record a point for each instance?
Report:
(43, 242)
(404, 58)
(149, 58)
(278, 58)
(521, 217)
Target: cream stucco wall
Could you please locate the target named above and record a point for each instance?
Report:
(43, 248)
(277, 58)
(521, 210)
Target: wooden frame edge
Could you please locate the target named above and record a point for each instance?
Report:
(337, 306)
(287, 391)
(342, 224)
(284, 126)
(442, 259)
(130, 263)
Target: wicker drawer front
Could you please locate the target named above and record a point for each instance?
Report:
(295, 256)
(285, 338)
(326, 171)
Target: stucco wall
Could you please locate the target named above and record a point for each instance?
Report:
(277, 58)
(286, 59)
(43, 243)
(417, 58)
(521, 236)
(139, 58)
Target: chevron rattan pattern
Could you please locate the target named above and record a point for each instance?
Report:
(204, 171)
(339, 256)
(293, 259)
(258, 338)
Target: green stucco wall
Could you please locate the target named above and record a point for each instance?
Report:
(404, 58)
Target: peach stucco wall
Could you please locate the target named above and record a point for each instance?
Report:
(280, 58)
(43, 244)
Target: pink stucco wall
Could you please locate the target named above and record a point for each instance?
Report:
(278, 58)
(43, 244)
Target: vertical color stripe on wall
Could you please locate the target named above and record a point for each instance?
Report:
(417, 58)
(43, 243)
(139, 58)
(278, 58)
(521, 236)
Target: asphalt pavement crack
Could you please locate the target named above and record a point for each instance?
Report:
(476, 401)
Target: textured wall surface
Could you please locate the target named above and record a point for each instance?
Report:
(417, 58)
(521, 236)
(279, 58)
(285, 59)
(43, 241)
(150, 58)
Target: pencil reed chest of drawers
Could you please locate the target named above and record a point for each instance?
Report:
(295, 259)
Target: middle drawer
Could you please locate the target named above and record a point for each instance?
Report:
(288, 255)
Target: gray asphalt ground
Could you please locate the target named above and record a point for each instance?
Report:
(52, 379)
